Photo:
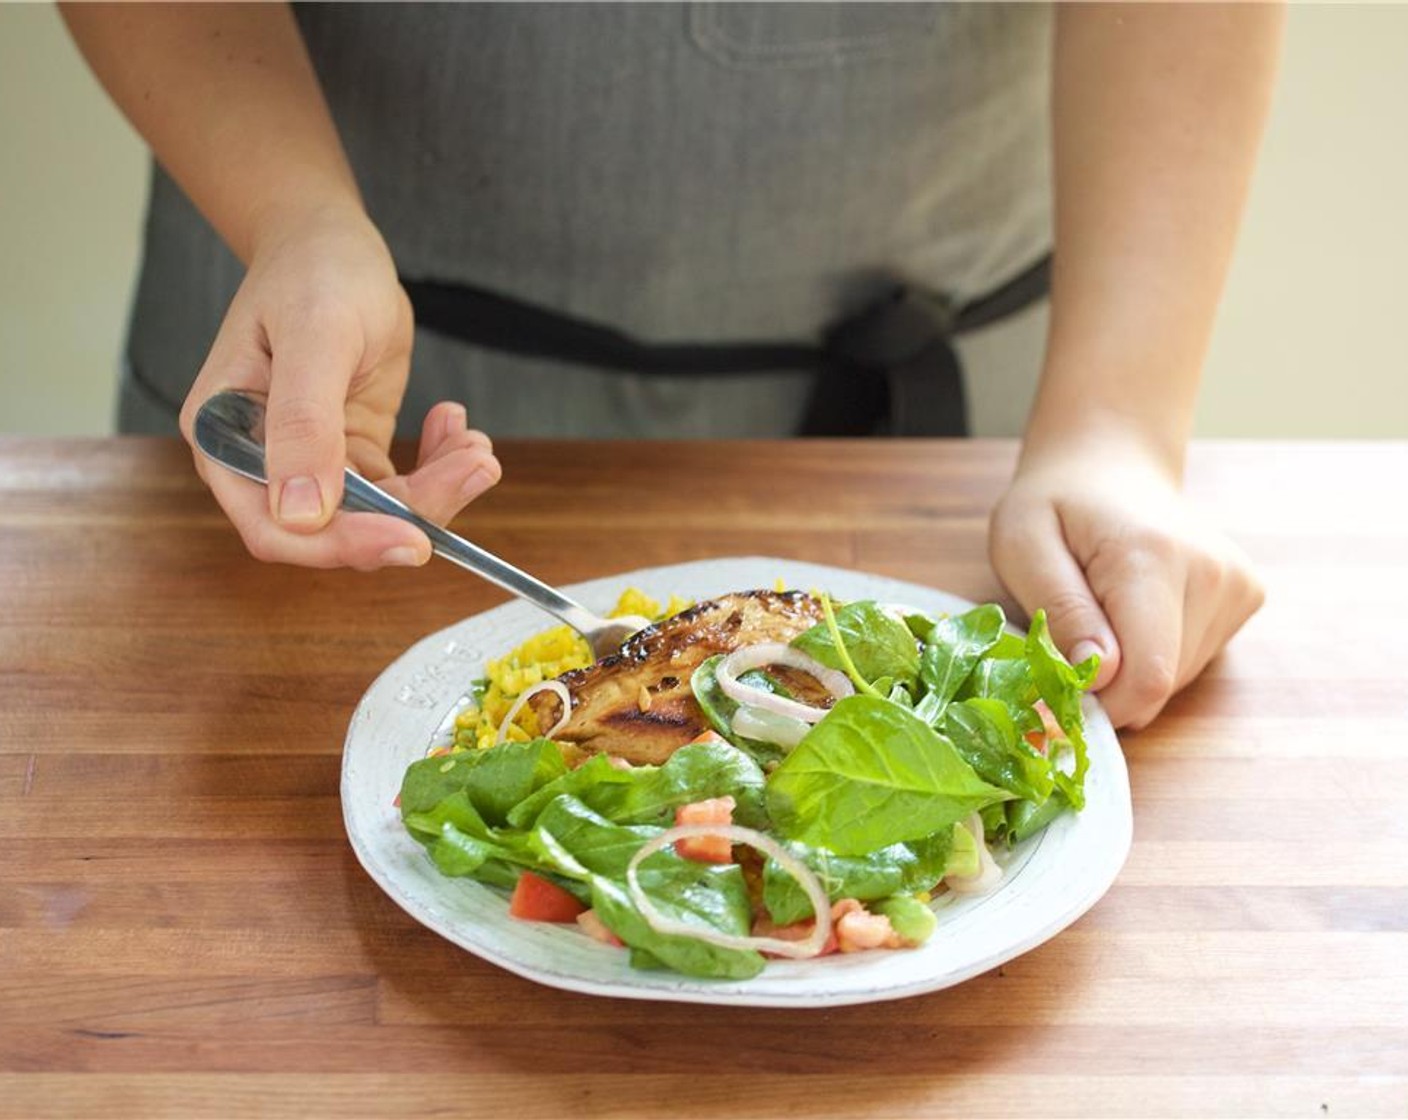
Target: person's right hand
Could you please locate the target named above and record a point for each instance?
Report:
(322, 325)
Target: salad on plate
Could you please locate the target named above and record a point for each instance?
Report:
(766, 774)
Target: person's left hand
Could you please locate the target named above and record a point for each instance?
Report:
(1101, 537)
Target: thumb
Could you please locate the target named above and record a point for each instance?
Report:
(1030, 556)
(305, 427)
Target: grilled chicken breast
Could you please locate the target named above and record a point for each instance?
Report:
(637, 704)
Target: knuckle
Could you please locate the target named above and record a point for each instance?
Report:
(317, 309)
(490, 466)
(1133, 551)
(1208, 577)
(299, 421)
(1068, 610)
(1151, 683)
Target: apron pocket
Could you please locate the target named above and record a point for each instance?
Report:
(771, 36)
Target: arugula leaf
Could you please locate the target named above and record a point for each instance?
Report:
(1061, 685)
(879, 644)
(871, 774)
(985, 734)
(954, 648)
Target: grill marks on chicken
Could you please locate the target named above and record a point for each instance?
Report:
(637, 704)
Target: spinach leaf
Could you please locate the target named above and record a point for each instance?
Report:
(593, 782)
(494, 780)
(583, 845)
(955, 646)
(651, 794)
(879, 644)
(899, 868)
(1025, 819)
(594, 842)
(509, 772)
(920, 625)
(718, 709)
(461, 844)
(456, 853)
(871, 774)
(985, 734)
(695, 772)
(455, 809)
(710, 896)
(1010, 681)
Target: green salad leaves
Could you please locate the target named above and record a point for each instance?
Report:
(954, 719)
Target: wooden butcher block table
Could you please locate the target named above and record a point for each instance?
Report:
(185, 931)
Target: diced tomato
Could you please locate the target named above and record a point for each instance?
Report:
(857, 929)
(537, 900)
(706, 849)
(763, 926)
(1051, 728)
(709, 736)
(595, 928)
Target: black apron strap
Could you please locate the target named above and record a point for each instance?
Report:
(890, 369)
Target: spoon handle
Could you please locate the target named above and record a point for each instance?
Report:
(223, 430)
(362, 496)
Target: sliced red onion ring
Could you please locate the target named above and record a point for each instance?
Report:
(557, 688)
(768, 727)
(809, 946)
(778, 653)
(989, 873)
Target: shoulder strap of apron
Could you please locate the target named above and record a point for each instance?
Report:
(889, 369)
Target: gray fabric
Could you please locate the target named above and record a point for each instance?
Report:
(692, 172)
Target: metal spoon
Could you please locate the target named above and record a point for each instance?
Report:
(229, 429)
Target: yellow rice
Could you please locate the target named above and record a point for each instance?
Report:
(540, 658)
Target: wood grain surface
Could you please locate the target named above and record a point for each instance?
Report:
(184, 930)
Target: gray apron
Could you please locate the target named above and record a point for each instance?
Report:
(681, 172)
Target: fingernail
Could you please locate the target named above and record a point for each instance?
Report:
(478, 481)
(300, 500)
(456, 420)
(1085, 649)
(402, 556)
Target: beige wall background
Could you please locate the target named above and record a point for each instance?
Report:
(1310, 342)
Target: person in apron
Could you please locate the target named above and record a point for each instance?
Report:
(696, 220)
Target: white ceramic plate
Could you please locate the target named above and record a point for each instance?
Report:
(1050, 880)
